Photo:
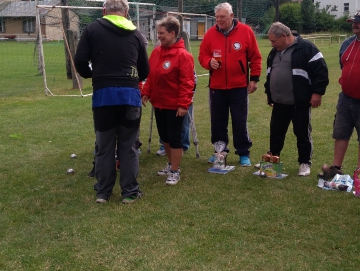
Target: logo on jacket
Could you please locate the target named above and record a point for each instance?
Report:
(237, 46)
(166, 64)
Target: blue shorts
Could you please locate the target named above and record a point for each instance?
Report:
(347, 118)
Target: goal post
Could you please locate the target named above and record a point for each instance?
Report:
(57, 40)
(57, 46)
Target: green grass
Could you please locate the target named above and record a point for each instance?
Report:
(49, 220)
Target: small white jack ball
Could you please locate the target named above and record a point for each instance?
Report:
(70, 171)
(73, 155)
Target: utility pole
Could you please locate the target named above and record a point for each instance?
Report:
(183, 33)
(276, 10)
(239, 10)
(181, 10)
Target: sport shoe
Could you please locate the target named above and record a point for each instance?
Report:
(304, 170)
(212, 159)
(245, 161)
(161, 151)
(101, 201)
(173, 178)
(132, 199)
(166, 170)
(91, 174)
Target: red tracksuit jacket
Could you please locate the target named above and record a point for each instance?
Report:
(170, 82)
(240, 53)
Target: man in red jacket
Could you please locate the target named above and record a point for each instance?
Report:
(230, 52)
(348, 108)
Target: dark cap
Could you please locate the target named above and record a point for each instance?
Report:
(355, 19)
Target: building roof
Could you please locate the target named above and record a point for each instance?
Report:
(24, 8)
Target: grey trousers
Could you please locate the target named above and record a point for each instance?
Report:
(128, 156)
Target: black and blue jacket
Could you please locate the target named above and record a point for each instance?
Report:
(309, 72)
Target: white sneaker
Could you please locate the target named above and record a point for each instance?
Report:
(161, 151)
(165, 170)
(173, 178)
(304, 170)
(101, 200)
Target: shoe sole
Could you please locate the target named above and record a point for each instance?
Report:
(100, 201)
(129, 201)
(304, 175)
(246, 165)
(161, 154)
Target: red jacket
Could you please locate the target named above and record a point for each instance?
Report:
(350, 66)
(170, 82)
(239, 53)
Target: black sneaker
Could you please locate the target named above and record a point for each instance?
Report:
(91, 174)
(132, 199)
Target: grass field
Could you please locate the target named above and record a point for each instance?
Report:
(49, 219)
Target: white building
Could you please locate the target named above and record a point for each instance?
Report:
(343, 7)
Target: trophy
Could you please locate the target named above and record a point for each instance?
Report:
(220, 155)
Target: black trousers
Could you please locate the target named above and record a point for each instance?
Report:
(300, 117)
(116, 126)
(234, 101)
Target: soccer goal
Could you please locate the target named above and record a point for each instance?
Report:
(60, 27)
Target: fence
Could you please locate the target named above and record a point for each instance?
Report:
(325, 38)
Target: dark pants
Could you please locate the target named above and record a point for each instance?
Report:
(116, 126)
(300, 117)
(237, 101)
(169, 127)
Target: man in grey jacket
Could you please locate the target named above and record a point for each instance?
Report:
(297, 77)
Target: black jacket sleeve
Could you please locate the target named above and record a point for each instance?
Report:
(143, 60)
(82, 56)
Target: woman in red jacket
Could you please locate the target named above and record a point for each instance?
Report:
(169, 88)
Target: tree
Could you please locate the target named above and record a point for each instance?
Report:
(342, 25)
(290, 15)
(324, 21)
(308, 16)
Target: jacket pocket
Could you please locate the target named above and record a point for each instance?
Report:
(133, 112)
(242, 67)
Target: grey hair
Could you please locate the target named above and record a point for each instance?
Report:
(225, 6)
(277, 29)
(116, 6)
(170, 23)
